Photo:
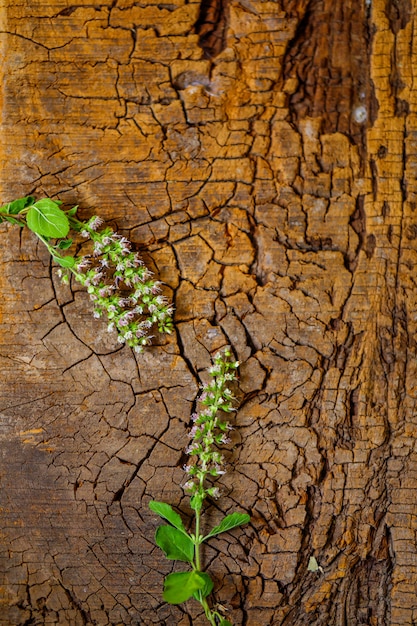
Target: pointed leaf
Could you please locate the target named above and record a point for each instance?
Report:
(65, 244)
(65, 261)
(175, 544)
(208, 586)
(73, 211)
(180, 586)
(13, 221)
(229, 522)
(18, 205)
(166, 511)
(46, 218)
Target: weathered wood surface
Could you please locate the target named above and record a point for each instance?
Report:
(273, 190)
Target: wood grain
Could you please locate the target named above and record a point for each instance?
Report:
(281, 217)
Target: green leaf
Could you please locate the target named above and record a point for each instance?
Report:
(46, 218)
(13, 221)
(166, 512)
(180, 586)
(65, 244)
(225, 622)
(229, 522)
(175, 544)
(73, 211)
(65, 261)
(17, 205)
(208, 586)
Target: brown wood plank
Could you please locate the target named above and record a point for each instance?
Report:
(273, 190)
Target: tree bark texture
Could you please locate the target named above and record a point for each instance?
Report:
(262, 155)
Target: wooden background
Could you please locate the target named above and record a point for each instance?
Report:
(265, 165)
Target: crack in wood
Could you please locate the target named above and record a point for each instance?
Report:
(242, 181)
(211, 26)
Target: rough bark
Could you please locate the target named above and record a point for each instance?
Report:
(268, 175)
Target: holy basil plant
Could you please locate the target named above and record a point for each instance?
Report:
(208, 433)
(119, 284)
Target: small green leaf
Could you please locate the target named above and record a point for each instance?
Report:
(175, 544)
(166, 512)
(208, 586)
(46, 218)
(229, 522)
(65, 244)
(65, 261)
(180, 586)
(17, 205)
(73, 211)
(13, 221)
(225, 622)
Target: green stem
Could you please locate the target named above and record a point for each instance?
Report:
(55, 255)
(197, 540)
(52, 251)
(76, 225)
(6, 216)
(197, 555)
(210, 616)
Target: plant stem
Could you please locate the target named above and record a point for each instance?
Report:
(20, 222)
(210, 617)
(52, 251)
(197, 540)
(197, 559)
